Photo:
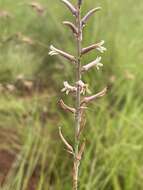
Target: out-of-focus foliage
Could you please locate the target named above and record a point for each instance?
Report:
(113, 158)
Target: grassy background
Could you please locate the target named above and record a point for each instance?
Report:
(29, 122)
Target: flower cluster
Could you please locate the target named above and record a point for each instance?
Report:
(79, 89)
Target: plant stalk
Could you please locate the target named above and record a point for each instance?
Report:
(80, 87)
(78, 101)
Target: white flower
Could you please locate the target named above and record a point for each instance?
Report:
(53, 51)
(68, 88)
(83, 87)
(100, 47)
(96, 63)
(97, 46)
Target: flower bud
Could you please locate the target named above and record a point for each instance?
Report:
(71, 26)
(69, 147)
(68, 88)
(66, 108)
(88, 15)
(70, 7)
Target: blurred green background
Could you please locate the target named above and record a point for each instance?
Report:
(32, 156)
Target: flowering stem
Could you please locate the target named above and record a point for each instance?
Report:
(80, 88)
(78, 101)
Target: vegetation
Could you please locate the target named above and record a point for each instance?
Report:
(29, 116)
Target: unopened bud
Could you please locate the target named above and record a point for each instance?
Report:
(70, 7)
(66, 107)
(88, 15)
(71, 26)
(69, 147)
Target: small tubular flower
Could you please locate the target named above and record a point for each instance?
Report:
(55, 51)
(70, 7)
(89, 99)
(98, 46)
(68, 88)
(95, 63)
(83, 87)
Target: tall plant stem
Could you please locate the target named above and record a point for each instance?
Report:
(80, 88)
(78, 100)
